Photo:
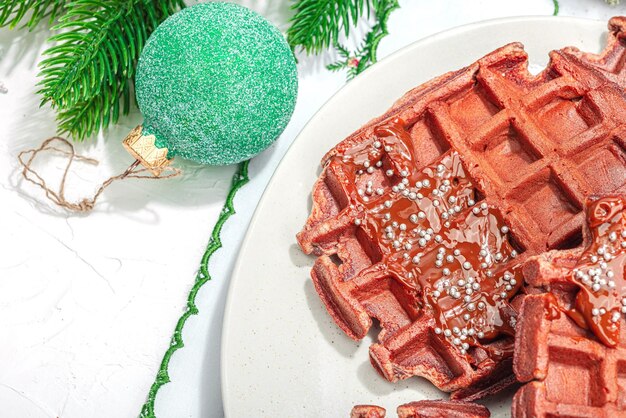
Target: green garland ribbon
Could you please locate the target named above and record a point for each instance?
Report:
(215, 243)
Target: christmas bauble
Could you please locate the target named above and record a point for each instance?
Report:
(216, 83)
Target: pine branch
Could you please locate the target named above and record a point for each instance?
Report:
(12, 12)
(87, 75)
(365, 55)
(318, 23)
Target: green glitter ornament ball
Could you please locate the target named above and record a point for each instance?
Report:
(216, 83)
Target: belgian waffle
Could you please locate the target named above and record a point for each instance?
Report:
(568, 337)
(515, 153)
(425, 409)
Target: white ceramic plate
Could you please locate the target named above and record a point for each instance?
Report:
(282, 356)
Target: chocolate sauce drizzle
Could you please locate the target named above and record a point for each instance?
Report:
(433, 235)
(599, 274)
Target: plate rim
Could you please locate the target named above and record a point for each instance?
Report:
(360, 79)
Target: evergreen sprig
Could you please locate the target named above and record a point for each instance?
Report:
(317, 25)
(88, 74)
(365, 55)
(12, 12)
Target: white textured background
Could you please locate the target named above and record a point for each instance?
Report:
(88, 303)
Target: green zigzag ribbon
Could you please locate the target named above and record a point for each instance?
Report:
(215, 243)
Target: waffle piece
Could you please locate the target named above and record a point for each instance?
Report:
(568, 344)
(425, 409)
(531, 148)
(367, 411)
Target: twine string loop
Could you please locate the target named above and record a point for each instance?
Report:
(65, 148)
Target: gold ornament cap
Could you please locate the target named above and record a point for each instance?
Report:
(143, 148)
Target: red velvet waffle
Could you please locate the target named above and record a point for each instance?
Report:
(510, 159)
(425, 409)
(568, 342)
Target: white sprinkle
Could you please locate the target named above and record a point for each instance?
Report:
(438, 238)
(595, 287)
(426, 183)
(594, 259)
(482, 253)
(447, 333)
(480, 334)
(595, 312)
(379, 191)
(481, 305)
(413, 196)
(377, 144)
(467, 299)
(366, 163)
(498, 257)
(465, 345)
(483, 206)
(404, 173)
(470, 202)
(416, 259)
(467, 265)
(421, 242)
(601, 250)
(475, 211)
(387, 216)
(513, 282)
(389, 173)
(396, 244)
(466, 317)
(602, 311)
(387, 148)
(440, 168)
(503, 295)
(446, 271)
(357, 222)
(435, 203)
(452, 199)
(437, 330)
(421, 215)
(370, 170)
(475, 286)
(413, 218)
(471, 307)
(418, 184)
(513, 254)
(612, 236)
(438, 263)
(456, 341)
(387, 204)
(449, 258)
(379, 164)
(441, 250)
(615, 317)
(504, 229)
